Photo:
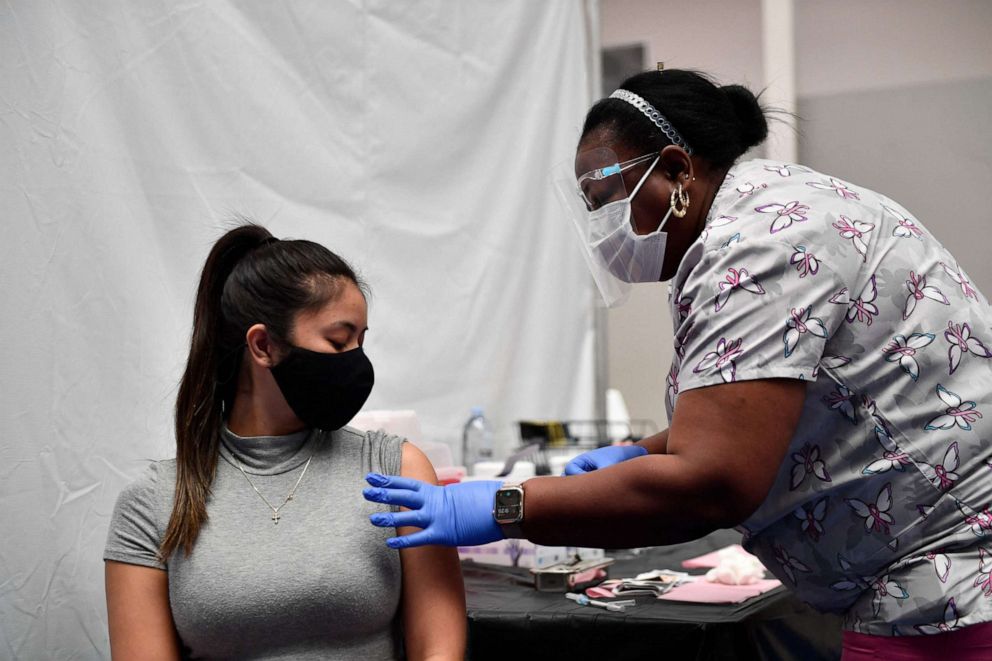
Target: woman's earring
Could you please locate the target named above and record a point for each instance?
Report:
(679, 198)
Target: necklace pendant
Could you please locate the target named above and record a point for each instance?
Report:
(289, 497)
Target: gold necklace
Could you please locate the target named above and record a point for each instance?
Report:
(275, 510)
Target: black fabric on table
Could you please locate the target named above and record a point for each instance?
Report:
(509, 620)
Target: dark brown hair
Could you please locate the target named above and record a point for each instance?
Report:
(250, 277)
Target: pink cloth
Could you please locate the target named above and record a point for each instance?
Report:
(602, 591)
(709, 560)
(704, 592)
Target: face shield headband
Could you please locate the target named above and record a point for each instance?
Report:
(599, 208)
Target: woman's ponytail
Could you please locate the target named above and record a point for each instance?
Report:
(203, 389)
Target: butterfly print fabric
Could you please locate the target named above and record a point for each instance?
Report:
(880, 509)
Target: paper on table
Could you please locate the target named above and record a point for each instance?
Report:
(704, 592)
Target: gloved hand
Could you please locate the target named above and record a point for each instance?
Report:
(455, 515)
(603, 457)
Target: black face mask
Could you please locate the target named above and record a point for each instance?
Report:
(325, 390)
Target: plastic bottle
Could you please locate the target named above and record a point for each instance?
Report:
(477, 439)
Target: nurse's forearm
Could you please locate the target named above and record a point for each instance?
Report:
(723, 452)
(649, 501)
(657, 444)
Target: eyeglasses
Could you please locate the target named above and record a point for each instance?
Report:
(596, 187)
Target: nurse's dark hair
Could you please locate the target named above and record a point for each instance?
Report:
(250, 277)
(720, 123)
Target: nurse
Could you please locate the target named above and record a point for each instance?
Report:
(830, 390)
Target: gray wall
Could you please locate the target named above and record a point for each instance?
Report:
(927, 146)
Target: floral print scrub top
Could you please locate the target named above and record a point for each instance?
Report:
(880, 508)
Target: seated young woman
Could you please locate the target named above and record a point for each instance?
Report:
(251, 543)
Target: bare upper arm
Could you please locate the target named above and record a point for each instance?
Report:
(735, 436)
(138, 613)
(433, 593)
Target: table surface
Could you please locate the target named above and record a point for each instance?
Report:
(507, 614)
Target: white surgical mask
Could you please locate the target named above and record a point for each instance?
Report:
(629, 256)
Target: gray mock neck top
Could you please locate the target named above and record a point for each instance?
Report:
(268, 455)
(319, 584)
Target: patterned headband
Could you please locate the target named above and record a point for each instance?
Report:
(656, 117)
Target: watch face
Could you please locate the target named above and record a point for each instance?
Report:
(508, 503)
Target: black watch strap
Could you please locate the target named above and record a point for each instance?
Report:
(512, 530)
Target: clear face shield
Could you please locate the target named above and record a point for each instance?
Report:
(599, 207)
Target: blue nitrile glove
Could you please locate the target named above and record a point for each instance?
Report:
(455, 515)
(603, 457)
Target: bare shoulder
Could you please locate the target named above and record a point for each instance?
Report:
(416, 464)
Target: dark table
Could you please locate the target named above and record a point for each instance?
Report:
(510, 621)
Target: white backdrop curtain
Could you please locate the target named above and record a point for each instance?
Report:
(413, 138)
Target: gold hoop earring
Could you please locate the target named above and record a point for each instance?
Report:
(679, 198)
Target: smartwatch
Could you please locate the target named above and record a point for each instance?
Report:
(508, 509)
